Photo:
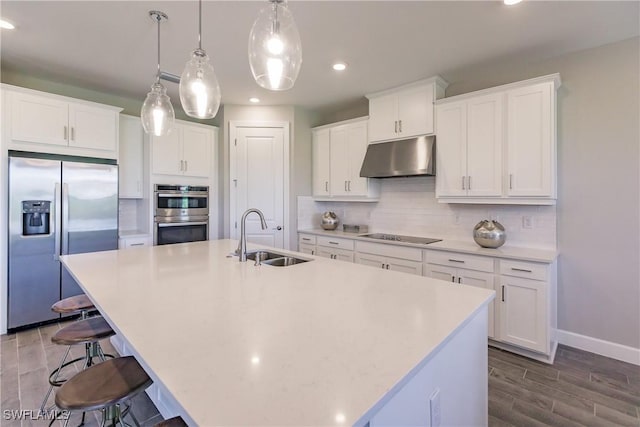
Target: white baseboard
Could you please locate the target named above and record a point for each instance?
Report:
(598, 346)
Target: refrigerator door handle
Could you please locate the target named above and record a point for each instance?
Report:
(65, 219)
(55, 229)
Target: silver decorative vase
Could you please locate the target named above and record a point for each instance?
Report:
(329, 221)
(489, 234)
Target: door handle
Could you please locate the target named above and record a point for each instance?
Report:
(469, 182)
(65, 133)
(326, 186)
(387, 266)
(280, 228)
(181, 165)
(453, 279)
(345, 186)
(502, 293)
(400, 126)
(65, 218)
(349, 185)
(395, 130)
(73, 133)
(463, 183)
(56, 228)
(460, 280)
(186, 166)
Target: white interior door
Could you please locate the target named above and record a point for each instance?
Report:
(259, 158)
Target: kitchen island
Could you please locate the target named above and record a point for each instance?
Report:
(317, 343)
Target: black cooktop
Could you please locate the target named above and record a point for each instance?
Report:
(399, 238)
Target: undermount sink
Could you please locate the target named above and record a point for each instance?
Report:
(274, 258)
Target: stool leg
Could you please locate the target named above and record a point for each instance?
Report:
(46, 397)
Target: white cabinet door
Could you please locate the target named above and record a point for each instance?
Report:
(306, 248)
(484, 145)
(357, 148)
(479, 280)
(196, 151)
(324, 252)
(404, 265)
(167, 153)
(523, 313)
(339, 164)
(440, 272)
(530, 140)
(383, 117)
(451, 151)
(346, 256)
(321, 162)
(371, 260)
(130, 164)
(415, 111)
(93, 128)
(39, 119)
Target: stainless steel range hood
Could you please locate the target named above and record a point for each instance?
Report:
(407, 157)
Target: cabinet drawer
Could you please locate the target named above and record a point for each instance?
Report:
(306, 248)
(528, 270)
(452, 259)
(332, 242)
(390, 250)
(132, 242)
(307, 239)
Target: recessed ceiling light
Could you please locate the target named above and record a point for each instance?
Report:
(254, 100)
(511, 2)
(339, 66)
(6, 25)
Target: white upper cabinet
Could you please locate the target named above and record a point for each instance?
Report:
(185, 151)
(338, 152)
(498, 145)
(43, 122)
(469, 147)
(405, 111)
(130, 162)
(531, 140)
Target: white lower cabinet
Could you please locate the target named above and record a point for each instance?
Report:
(448, 272)
(327, 247)
(335, 253)
(307, 248)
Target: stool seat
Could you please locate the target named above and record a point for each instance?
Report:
(172, 422)
(105, 384)
(73, 304)
(84, 331)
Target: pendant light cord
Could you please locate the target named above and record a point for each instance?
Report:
(158, 18)
(200, 24)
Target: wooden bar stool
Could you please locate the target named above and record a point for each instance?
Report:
(172, 422)
(105, 387)
(88, 332)
(77, 304)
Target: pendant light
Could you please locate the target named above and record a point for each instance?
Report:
(157, 113)
(199, 88)
(275, 50)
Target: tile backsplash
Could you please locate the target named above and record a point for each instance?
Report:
(409, 206)
(127, 214)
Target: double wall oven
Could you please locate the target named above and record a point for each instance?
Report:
(181, 214)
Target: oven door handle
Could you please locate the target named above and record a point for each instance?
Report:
(194, 195)
(179, 224)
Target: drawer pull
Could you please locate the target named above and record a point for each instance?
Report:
(137, 244)
(306, 239)
(460, 280)
(383, 265)
(521, 269)
(453, 279)
(334, 243)
(456, 260)
(387, 266)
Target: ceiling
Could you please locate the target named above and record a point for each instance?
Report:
(110, 46)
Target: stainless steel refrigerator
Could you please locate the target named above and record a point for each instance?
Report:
(57, 206)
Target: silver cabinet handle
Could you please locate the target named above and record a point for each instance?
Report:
(469, 182)
(345, 186)
(387, 266)
(400, 126)
(510, 181)
(137, 244)
(313, 252)
(463, 183)
(460, 280)
(277, 228)
(521, 269)
(306, 239)
(334, 243)
(65, 132)
(326, 186)
(453, 279)
(395, 124)
(186, 166)
(73, 133)
(502, 293)
(56, 227)
(456, 260)
(383, 265)
(65, 218)
(181, 165)
(349, 185)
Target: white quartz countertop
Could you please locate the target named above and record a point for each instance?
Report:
(319, 343)
(469, 247)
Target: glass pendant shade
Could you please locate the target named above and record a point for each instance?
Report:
(199, 88)
(275, 50)
(157, 112)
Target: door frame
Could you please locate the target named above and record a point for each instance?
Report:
(234, 216)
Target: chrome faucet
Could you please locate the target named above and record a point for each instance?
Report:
(242, 244)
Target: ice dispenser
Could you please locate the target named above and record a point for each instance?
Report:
(35, 217)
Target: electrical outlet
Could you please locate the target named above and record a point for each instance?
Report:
(527, 221)
(435, 410)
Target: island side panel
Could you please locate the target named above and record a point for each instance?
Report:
(458, 372)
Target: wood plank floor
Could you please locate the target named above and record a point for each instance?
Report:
(579, 389)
